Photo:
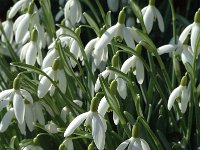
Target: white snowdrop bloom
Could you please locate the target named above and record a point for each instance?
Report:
(73, 11)
(51, 127)
(8, 28)
(130, 22)
(103, 108)
(113, 5)
(31, 51)
(150, 14)
(65, 111)
(136, 63)
(56, 73)
(53, 53)
(18, 6)
(6, 120)
(92, 119)
(32, 147)
(118, 30)
(22, 23)
(18, 98)
(134, 144)
(38, 108)
(193, 30)
(180, 92)
(97, 63)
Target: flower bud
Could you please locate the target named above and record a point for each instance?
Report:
(121, 17)
(135, 131)
(197, 16)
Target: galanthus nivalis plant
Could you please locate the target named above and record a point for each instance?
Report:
(79, 74)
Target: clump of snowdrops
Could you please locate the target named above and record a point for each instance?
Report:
(99, 75)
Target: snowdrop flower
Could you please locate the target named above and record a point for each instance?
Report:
(18, 97)
(30, 51)
(56, 73)
(65, 111)
(180, 92)
(93, 119)
(150, 14)
(103, 108)
(134, 61)
(38, 108)
(17, 6)
(194, 29)
(97, 63)
(113, 5)
(73, 11)
(21, 24)
(135, 142)
(51, 127)
(8, 28)
(119, 29)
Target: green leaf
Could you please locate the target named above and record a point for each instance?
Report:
(92, 23)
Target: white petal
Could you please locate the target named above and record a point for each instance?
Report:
(64, 112)
(5, 94)
(123, 145)
(22, 128)
(121, 88)
(105, 39)
(47, 107)
(69, 144)
(98, 132)
(194, 35)
(29, 117)
(44, 85)
(89, 47)
(166, 49)
(39, 114)
(62, 80)
(115, 118)
(145, 145)
(149, 18)
(19, 107)
(139, 71)
(184, 99)
(5, 122)
(31, 54)
(3, 104)
(75, 124)
(17, 6)
(104, 74)
(136, 144)
(160, 20)
(26, 95)
(22, 28)
(103, 106)
(24, 51)
(175, 93)
(185, 33)
(128, 38)
(186, 57)
(128, 64)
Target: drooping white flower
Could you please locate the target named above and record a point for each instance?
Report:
(17, 6)
(68, 144)
(103, 108)
(31, 51)
(56, 73)
(150, 14)
(194, 30)
(38, 110)
(73, 11)
(134, 144)
(6, 120)
(113, 5)
(134, 61)
(92, 119)
(118, 30)
(180, 92)
(32, 147)
(8, 28)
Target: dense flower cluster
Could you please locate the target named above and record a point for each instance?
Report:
(65, 75)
